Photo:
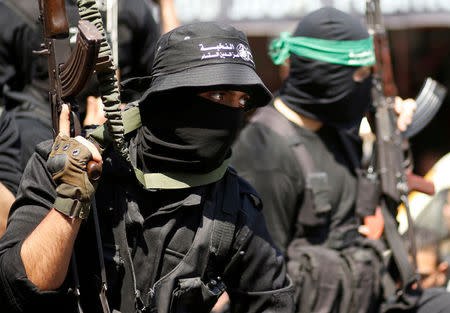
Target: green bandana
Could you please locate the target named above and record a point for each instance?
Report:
(345, 52)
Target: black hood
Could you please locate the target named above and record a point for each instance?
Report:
(321, 90)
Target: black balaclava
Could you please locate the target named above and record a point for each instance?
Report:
(325, 91)
(186, 132)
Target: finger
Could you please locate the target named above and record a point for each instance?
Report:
(100, 111)
(410, 104)
(401, 125)
(404, 120)
(64, 121)
(398, 105)
(408, 119)
(96, 156)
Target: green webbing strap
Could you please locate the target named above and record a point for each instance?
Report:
(180, 180)
(169, 180)
(1, 111)
(109, 86)
(131, 120)
(345, 52)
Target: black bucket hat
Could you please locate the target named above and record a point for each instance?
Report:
(203, 56)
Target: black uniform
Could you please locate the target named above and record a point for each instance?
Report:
(195, 230)
(266, 159)
(308, 182)
(23, 74)
(10, 169)
(169, 234)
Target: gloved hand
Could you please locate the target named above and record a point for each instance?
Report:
(68, 165)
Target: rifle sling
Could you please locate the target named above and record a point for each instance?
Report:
(76, 281)
(400, 256)
(274, 120)
(102, 293)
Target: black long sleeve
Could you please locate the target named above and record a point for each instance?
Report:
(10, 168)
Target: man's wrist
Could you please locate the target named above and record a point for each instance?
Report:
(72, 208)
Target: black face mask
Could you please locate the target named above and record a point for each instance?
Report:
(348, 112)
(186, 133)
(326, 92)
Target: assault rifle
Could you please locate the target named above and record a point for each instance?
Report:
(68, 71)
(390, 162)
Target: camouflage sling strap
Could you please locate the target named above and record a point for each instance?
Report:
(106, 73)
(109, 89)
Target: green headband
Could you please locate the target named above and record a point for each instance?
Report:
(345, 52)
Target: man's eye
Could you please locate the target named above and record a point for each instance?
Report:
(243, 101)
(216, 96)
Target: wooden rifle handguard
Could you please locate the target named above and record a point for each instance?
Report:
(55, 19)
(94, 170)
(420, 184)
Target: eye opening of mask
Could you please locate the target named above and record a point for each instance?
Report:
(179, 93)
(248, 97)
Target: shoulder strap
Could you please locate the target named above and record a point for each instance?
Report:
(225, 218)
(274, 120)
(315, 210)
(224, 227)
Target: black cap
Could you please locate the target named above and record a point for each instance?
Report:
(332, 24)
(206, 54)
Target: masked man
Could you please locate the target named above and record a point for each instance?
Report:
(302, 153)
(178, 226)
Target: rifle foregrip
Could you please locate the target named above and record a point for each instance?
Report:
(420, 184)
(75, 73)
(55, 19)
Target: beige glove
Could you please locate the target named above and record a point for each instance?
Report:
(68, 165)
